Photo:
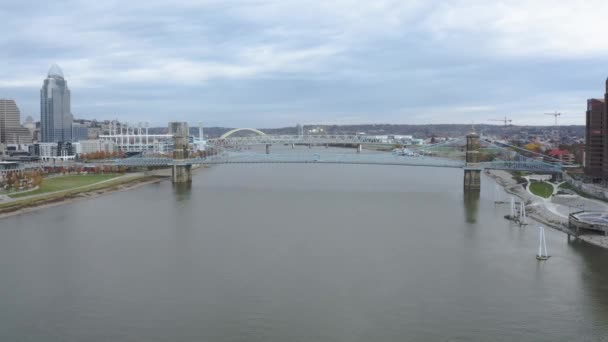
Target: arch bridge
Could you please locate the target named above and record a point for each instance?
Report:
(233, 131)
(227, 140)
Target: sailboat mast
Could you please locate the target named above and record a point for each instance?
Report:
(512, 208)
(545, 244)
(540, 241)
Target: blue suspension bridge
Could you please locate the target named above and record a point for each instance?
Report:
(467, 153)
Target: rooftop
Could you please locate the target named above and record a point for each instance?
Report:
(55, 71)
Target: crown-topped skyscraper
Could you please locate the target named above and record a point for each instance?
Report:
(55, 110)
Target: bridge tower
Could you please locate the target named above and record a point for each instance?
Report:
(472, 169)
(181, 173)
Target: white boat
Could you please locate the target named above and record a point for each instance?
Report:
(542, 245)
(405, 152)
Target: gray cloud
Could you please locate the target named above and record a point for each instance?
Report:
(277, 62)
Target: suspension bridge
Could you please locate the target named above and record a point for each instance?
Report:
(468, 153)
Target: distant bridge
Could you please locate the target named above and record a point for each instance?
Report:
(470, 155)
(231, 132)
(325, 139)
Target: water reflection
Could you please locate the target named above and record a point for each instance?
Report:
(594, 277)
(471, 205)
(182, 191)
(295, 253)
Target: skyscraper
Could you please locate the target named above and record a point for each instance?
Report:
(55, 110)
(594, 138)
(9, 117)
(605, 136)
(11, 131)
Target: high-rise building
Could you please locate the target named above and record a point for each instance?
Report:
(9, 117)
(605, 135)
(594, 138)
(55, 110)
(11, 131)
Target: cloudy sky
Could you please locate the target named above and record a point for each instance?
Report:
(270, 63)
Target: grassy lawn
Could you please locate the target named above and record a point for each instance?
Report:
(542, 189)
(65, 183)
(36, 200)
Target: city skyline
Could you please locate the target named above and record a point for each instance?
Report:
(274, 64)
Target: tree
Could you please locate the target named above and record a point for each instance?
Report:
(533, 147)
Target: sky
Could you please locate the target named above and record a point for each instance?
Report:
(274, 63)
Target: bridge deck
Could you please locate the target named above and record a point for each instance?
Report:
(337, 158)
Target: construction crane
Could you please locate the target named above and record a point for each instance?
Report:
(556, 132)
(556, 114)
(505, 121)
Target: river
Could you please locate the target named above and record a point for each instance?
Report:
(296, 253)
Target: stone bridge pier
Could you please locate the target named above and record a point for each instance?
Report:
(181, 173)
(472, 169)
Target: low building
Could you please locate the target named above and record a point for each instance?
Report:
(92, 146)
(585, 221)
(563, 155)
(50, 151)
(9, 165)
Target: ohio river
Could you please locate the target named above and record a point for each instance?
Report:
(296, 253)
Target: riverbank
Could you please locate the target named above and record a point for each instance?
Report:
(30, 203)
(552, 212)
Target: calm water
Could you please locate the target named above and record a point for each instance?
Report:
(295, 253)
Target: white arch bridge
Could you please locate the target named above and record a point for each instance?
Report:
(324, 139)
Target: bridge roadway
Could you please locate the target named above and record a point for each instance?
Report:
(336, 158)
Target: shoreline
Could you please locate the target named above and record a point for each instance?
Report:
(67, 197)
(538, 210)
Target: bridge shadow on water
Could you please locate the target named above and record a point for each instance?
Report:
(471, 205)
